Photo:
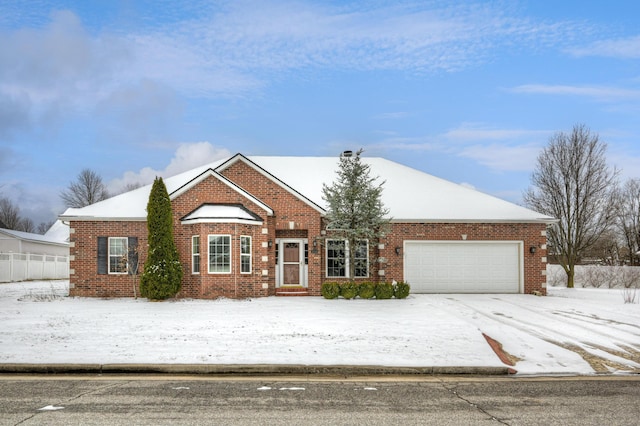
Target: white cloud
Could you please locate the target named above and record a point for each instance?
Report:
(186, 157)
(472, 132)
(625, 48)
(59, 61)
(229, 49)
(141, 113)
(56, 69)
(603, 93)
(495, 148)
(503, 157)
(392, 115)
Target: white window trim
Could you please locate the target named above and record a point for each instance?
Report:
(249, 255)
(193, 256)
(347, 261)
(109, 256)
(209, 254)
(366, 259)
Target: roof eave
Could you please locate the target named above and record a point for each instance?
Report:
(101, 219)
(222, 220)
(414, 220)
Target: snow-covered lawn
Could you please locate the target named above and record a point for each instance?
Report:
(577, 331)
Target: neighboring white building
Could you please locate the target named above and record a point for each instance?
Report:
(27, 256)
(25, 242)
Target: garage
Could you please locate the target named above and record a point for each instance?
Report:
(463, 266)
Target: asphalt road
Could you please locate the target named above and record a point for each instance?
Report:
(317, 400)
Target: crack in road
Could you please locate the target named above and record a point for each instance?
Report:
(73, 398)
(452, 390)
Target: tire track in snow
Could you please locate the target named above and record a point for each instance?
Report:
(630, 338)
(562, 339)
(594, 319)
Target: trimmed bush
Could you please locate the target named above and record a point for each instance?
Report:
(401, 290)
(384, 291)
(367, 290)
(330, 290)
(348, 290)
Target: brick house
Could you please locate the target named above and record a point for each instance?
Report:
(253, 226)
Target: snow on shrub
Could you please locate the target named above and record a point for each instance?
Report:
(401, 290)
(348, 290)
(384, 291)
(367, 290)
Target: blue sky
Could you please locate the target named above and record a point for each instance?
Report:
(467, 91)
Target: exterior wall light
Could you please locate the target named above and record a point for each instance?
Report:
(398, 250)
(533, 249)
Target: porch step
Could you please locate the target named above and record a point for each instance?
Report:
(292, 291)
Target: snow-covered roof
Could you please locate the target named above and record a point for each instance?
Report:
(59, 231)
(409, 194)
(221, 213)
(28, 236)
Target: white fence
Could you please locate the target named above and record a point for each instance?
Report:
(21, 267)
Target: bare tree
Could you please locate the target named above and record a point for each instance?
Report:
(44, 227)
(27, 225)
(128, 187)
(605, 250)
(9, 214)
(628, 217)
(86, 190)
(573, 183)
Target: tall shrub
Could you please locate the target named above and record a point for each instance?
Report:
(162, 276)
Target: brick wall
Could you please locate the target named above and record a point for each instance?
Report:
(234, 284)
(84, 279)
(293, 218)
(531, 234)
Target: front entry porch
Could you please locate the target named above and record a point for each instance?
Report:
(291, 267)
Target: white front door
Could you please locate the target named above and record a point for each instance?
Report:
(292, 269)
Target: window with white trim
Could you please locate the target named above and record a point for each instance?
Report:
(336, 258)
(118, 255)
(245, 254)
(337, 255)
(219, 254)
(195, 254)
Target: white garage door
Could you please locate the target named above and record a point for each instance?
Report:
(462, 267)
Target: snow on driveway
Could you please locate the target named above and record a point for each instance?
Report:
(575, 331)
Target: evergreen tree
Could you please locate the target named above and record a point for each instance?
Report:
(162, 276)
(355, 209)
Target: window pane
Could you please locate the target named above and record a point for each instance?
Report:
(362, 259)
(219, 253)
(195, 254)
(117, 255)
(196, 244)
(336, 259)
(245, 254)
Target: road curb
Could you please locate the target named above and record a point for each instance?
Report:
(246, 369)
